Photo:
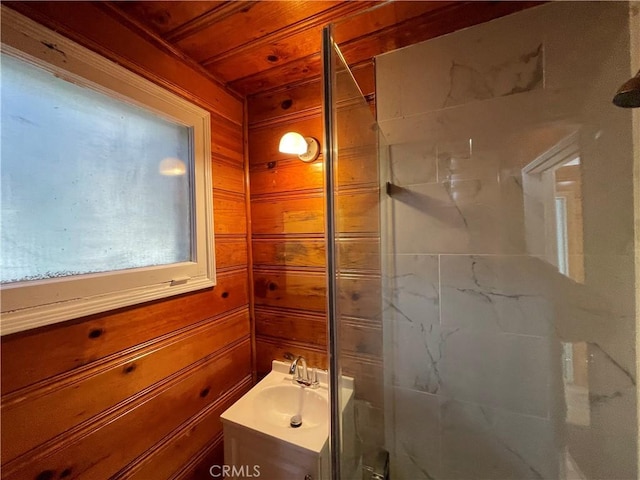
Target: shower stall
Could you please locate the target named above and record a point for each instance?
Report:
(482, 251)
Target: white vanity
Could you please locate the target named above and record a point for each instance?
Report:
(260, 441)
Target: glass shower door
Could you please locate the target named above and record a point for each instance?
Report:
(353, 260)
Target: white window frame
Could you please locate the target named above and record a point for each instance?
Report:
(27, 305)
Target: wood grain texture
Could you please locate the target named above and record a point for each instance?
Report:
(296, 71)
(164, 17)
(288, 245)
(103, 447)
(248, 27)
(290, 289)
(296, 40)
(199, 466)
(361, 337)
(357, 168)
(359, 255)
(287, 176)
(247, 206)
(228, 176)
(176, 450)
(288, 223)
(219, 12)
(292, 99)
(90, 397)
(288, 215)
(74, 344)
(357, 212)
(257, 47)
(265, 56)
(370, 377)
(269, 349)
(354, 123)
(229, 213)
(226, 140)
(289, 252)
(362, 37)
(231, 252)
(360, 296)
(109, 383)
(291, 325)
(303, 43)
(376, 22)
(296, 98)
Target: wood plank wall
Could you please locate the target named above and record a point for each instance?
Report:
(287, 208)
(288, 212)
(137, 392)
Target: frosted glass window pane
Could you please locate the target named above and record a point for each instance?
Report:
(82, 190)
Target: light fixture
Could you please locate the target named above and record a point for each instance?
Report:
(172, 167)
(307, 148)
(628, 95)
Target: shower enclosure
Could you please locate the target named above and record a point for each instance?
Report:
(354, 262)
(482, 251)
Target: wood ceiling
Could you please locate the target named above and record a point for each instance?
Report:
(258, 46)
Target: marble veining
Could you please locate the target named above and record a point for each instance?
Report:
(501, 366)
(625, 372)
(505, 293)
(468, 83)
(491, 438)
(471, 216)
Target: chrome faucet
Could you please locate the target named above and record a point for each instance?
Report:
(301, 378)
(294, 367)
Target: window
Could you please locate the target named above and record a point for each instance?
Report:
(106, 183)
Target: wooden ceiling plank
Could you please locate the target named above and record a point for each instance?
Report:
(164, 16)
(247, 26)
(210, 18)
(241, 70)
(267, 56)
(277, 77)
(290, 101)
(385, 16)
(292, 33)
(261, 46)
(111, 7)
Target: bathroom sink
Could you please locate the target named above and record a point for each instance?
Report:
(279, 403)
(267, 409)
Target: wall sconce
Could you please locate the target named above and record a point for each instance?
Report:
(307, 148)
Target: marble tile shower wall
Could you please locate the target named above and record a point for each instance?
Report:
(476, 315)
